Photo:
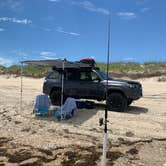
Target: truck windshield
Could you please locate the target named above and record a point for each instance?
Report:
(103, 74)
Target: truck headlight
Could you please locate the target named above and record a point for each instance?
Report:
(130, 85)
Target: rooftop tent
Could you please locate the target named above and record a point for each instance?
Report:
(55, 64)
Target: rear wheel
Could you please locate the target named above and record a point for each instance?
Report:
(55, 97)
(116, 102)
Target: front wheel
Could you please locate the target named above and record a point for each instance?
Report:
(129, 102)
(116, 102)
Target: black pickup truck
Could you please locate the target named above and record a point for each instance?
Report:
(91, 83)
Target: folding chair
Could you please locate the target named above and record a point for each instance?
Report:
(42, 104)
(68, 109)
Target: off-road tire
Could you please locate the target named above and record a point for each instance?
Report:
(129, 102)
(116, 102)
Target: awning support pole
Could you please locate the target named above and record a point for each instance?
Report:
(21, 84)
(63, 67)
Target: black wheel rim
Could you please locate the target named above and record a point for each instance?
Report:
(116, 103)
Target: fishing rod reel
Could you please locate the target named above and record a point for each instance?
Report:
(102, 121)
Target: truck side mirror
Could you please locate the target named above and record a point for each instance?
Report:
(97, 80)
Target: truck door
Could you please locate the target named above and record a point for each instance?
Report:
(89, 84)
(95, 87)
(71, 83)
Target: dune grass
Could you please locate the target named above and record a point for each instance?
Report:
(123, 69)
(28, 70)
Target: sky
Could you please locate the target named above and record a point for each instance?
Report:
(75, 29)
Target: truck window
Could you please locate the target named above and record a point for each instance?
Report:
(94, 76)
(85, 76)
(72, 75)
(54, 75)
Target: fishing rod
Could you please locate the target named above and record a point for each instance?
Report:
(105, 121)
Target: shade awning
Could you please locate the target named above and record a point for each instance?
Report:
(58, 63)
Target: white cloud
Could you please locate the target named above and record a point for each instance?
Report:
(5, 62)
(146, 9)
(103, 11)
(1, 29)
(141, 2)
(129, 59)
(47, 55)
(60, 29)
(13, 5)
(74, 34)
(127, 15)
(46, 29)
(87, 5)
(15, 20)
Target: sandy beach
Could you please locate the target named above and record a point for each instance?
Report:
(135, 137)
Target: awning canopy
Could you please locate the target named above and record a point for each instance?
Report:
(58, 63)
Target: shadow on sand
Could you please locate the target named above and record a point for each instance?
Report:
(136, 110)
(129, 110)
(84, 115)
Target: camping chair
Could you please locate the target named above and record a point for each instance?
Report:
(42, 104)
(68, 109)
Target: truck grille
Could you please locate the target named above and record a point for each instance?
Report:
(137, 86)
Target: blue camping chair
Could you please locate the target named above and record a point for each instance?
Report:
(42, 105)
(68, 109)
